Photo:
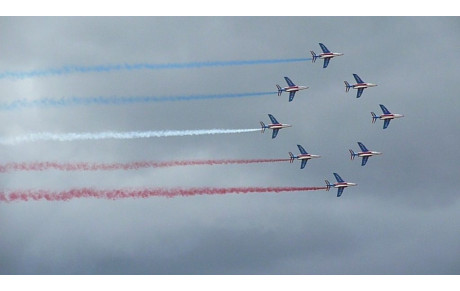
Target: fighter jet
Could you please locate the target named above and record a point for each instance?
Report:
(292, 88)
(365, 154)
(340, 185)
(304, 156)
(326, 55)
(360, 85)
(275, 125)
(387, 116)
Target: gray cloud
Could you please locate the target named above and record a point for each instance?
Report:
(402, 218)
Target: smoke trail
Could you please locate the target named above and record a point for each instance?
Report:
(68, 101)
(36, 195)
(66, 70)
(42, 166)
(115, 135)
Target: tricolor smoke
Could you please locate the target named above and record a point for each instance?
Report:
(117, 100)
(44, 136)
(66, 70)
(42, 166)
(37, 195)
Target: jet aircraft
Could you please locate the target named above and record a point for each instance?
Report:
(387, 116)
(365, 153)
(292, 88)
(360, 85)
(340, 185)
(326, 55)
(304, 156)
(275, 125)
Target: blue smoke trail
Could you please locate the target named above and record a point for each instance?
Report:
(66, 70)
(68, 101)
(32, 137)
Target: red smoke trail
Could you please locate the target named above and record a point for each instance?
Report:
(41, 166)
(35, 195)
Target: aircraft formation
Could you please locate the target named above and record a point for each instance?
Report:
(304, 156)
(274, 125)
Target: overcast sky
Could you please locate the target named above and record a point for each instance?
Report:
(402, 218)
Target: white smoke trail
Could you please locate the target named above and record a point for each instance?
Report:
(47, 136)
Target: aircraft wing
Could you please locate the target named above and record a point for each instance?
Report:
(324, 48)
(360, 91)
(275, 132)
(273, 119)
(338, 178)
(339, 192)
(364, 161)
(289, 82)
(386, 122)
(384, 109)
(301, 149)
(362, 146)
(304, 162)
(358, 79)
(291, 95)
(326, 62)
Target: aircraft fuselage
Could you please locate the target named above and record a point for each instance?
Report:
(307, 156)
(294, 88)
(329, 55)
(278, 126)
(368, 154)
(363, 85)
(344, 184)
(390, 116)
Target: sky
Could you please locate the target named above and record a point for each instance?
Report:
(402, 218)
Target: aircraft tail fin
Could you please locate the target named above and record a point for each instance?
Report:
(279, 89)
(347, 86)
(352, 154)
(328, 185)
(374, 117)
(291, 157)
(263, 126)
(314, 56)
